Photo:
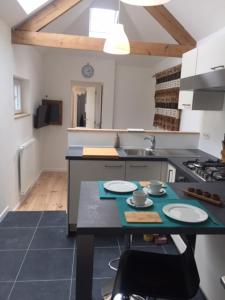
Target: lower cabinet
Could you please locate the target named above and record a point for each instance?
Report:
(92, 170)
(89, 170)
(143, 170)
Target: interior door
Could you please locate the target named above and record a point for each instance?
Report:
(90, 107)
(98, 106)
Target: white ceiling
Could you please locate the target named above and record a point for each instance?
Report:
(200, 18)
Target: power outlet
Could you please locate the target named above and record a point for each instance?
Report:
(206, 136)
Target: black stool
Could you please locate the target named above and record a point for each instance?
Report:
(156, 275)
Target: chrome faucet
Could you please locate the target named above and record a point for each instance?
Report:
(152, 139)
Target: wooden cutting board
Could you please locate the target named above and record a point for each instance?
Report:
(100, 152)
(142, 217)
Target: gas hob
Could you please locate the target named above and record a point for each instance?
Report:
(210, 170)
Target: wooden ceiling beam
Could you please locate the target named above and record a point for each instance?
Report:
(171, 25)
(47, 14)
(94, 44)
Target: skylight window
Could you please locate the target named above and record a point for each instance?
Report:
(30, 5)
(101, 21)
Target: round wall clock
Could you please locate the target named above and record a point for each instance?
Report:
(87, 71)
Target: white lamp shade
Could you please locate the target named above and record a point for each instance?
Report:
(117, 42)
(145, 2)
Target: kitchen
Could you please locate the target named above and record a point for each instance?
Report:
(124, 105)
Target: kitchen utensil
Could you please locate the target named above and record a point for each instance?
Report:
(155, 186)
(185, 213)
(161, 192)
(142, 217)
(147, 183)
(120, 186)
(139, 198)
(100, 152)
(147, 203)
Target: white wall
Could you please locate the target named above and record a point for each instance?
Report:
(26, 64)
(128, 95)
(7, 157)
(61, 68)
(134, 97)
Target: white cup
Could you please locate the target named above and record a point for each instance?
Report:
(139, 198)
(155, 187)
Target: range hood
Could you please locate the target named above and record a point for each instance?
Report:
(211, 82)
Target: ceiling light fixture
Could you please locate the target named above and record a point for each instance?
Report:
(145, 2)
(117, 42)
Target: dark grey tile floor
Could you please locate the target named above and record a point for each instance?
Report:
(38, 260)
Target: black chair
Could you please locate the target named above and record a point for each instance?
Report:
(156, 275)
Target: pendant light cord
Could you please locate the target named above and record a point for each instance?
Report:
(119, 12)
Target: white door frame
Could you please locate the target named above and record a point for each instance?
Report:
(99, 98)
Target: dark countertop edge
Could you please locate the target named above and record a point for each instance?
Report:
(111, 224)
(75, 153)
(168, 230)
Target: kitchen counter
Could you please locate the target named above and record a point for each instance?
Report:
(75, 153)
(94, 215)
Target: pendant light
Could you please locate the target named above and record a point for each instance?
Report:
(145, 2)
(117, 42)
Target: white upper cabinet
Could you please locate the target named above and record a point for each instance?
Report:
(211, 55)
(189, 62)
(207, 57)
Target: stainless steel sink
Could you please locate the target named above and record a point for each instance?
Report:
(161, 152)
(139, 152)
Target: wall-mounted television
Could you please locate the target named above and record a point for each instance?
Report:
(49, 113)
(41, 117)
(54, 111)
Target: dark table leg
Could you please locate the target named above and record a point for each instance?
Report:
(84, 269)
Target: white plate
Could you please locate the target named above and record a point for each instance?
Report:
(120, 186)
(185, 213)
(149, 191)
(148, 203)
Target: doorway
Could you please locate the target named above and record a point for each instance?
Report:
(87, 104)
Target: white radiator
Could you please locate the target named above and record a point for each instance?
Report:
(26, 165)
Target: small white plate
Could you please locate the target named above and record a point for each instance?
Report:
(120, 186)
(149, 191)
(185, 213)
(148, 203)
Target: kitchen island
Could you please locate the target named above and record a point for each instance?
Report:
(100, 217)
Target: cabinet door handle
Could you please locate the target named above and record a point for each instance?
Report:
(113, 166)
(138, 166)
(188, 105)
(217, 67)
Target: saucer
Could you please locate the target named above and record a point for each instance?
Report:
(162, 192)
(148, 203)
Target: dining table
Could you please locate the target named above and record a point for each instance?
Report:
(97, 217)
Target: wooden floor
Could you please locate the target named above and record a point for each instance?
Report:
(49, 193)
